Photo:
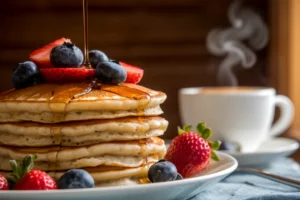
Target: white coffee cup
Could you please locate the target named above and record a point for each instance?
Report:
(240, 114)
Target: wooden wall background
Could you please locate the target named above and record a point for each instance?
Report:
(166, 38)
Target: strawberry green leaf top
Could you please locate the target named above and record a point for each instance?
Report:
(191, 152)
(19, 170)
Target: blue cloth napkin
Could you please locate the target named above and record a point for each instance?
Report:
(242, 186)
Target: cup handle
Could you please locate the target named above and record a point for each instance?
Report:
(286, 117)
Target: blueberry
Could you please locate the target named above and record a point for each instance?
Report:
(109, 72)
(97, 57)
(115, 61)
(179, 177)
(229, 146)
(76, 178)
(25, 75)
(66, 55)
(162, 171)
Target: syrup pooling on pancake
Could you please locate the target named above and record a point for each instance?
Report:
(63, 94)
(60, 95)
(131, 93)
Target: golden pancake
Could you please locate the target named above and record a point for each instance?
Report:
(51, 103)
(81, 133)
(110, 153)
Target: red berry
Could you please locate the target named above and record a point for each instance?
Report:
(134, 74)
(41, 56)
(3, 183)
(36, 180)
(191, 152)
(67, 74)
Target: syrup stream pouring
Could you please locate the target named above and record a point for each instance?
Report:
(273, 177)
(86, 61)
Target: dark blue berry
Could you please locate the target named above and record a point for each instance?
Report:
(115, 61)
(229, 146)
(66, 55)
(162, 171)
(76, 178)
(97, 57)
(25, 75)
(179, 177)
(109, 72)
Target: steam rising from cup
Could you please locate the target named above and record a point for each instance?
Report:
(247, 29)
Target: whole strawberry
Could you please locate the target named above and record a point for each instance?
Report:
(3, 183)
(191, 152)
(24, 178)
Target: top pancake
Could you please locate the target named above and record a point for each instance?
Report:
(38, 102)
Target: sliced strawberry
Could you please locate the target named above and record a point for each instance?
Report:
(41, 56)
(67, 74)
(134, 74)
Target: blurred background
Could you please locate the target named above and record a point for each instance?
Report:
(165, 38)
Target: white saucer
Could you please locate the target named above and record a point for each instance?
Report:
(269, 151)
(181, 189)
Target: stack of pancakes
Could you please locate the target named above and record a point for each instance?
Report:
(109, 130)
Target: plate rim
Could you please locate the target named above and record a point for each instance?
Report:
(224, 172)
(290, 148)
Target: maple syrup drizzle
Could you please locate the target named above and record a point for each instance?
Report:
(86, 91)
(125, 91)
(131, 93)
(86, 61)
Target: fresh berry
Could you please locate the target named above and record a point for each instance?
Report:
(36, 180)
(66, 55)
(229, 146)
(179, 177)
(162, 171)
(109, 72)
(134, 74)
(60, 75)
(76, 178)
(41, 56)
(3, 183)
(190, 152)
(24, 178)
(25, 74)
(97, 57)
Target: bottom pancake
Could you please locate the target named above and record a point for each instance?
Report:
(109, 176)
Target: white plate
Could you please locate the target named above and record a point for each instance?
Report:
(182, 189)
(269, 151)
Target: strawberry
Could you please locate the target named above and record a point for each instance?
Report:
(191, 152)
(67, 74)
(24, 178)
(3, 183)
(36, 180)
(134, 74)
(41, 56)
